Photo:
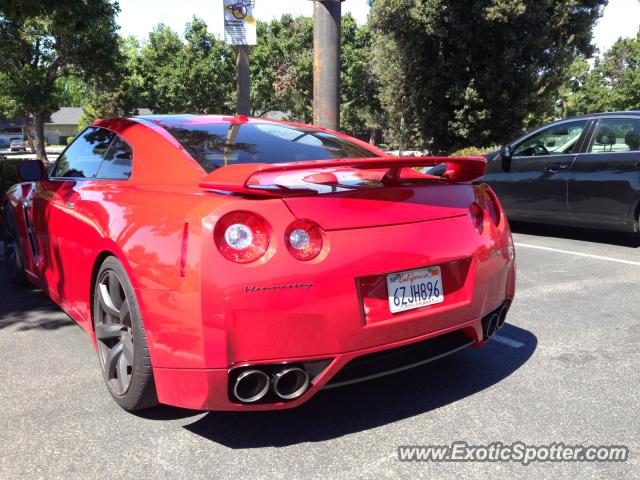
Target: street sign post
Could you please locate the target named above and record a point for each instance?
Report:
(240, 30)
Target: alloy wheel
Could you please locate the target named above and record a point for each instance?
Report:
(114, 333)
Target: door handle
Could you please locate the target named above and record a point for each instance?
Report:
(556, 167)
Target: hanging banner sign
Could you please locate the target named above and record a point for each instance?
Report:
(239, 22)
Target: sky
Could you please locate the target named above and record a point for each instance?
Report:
(138, 17)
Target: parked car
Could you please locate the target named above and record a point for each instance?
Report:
(17, 145)
(227, 263)
(582, 171)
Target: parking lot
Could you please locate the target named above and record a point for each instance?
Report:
(564, 369)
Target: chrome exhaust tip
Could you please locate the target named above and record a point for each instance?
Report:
(251, 386)
(492, 325)
(290, 383)
(502, 315)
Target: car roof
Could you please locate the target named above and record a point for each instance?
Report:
(602, 114)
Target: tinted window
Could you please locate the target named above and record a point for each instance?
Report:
(83, 157)
(117, 163)
(616, 135)
(556, 140)
(217, 145)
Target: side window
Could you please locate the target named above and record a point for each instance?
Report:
(616, 135)
(556, 140)
(118, 162)
(83, 157)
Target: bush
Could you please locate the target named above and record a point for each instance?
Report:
(8, 174)
(70, 139)
(472, 151)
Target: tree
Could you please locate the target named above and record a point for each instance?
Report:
(120, 93)
(44, 41)
(282, 68)
(197, 76)
(612, 84)
(282, 72)
(470, 72)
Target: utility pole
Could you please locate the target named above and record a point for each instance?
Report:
(327, 27)
(242, 80)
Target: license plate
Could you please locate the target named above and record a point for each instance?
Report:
(414, 289)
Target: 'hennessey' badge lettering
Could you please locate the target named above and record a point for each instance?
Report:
(254, 289)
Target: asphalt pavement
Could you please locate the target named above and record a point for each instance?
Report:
(566, 368)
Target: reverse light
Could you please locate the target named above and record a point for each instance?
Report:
(304, 239)
(242, 237)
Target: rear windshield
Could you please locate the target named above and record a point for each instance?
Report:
(216, 145)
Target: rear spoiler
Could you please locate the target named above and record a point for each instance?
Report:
(246, 178)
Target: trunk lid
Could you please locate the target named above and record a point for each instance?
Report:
(383, 206)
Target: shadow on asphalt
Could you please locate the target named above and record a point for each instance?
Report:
(355, 408)
(27, 308)
(583, 234)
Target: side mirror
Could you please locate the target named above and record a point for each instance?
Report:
(31, 171)
(506, 153)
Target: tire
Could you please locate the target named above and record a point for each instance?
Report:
(12, 250)
(121, 340)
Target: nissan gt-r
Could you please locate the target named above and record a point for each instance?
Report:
(231, 263)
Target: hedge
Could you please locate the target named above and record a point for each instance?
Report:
(472, 151)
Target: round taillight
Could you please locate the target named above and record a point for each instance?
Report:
(304, 239)
(477, 216)
(241, 237)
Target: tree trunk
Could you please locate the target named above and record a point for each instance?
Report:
(29, 133)
(38, 123)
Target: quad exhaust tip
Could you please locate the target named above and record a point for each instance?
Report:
(492, 325)
(290, 383)
(503, 315)
(251, 386)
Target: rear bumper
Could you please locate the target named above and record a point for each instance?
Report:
(207, 389)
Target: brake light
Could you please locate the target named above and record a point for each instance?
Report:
(242, 237)
(304, 239)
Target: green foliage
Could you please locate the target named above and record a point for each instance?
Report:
(468, 72)
(282, 72)
(43, 42)
(612, 84)
(282, 68)
(196, 76)
(122, 94)
(472, 151)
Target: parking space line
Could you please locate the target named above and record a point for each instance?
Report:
(507, 341)
(578, 254)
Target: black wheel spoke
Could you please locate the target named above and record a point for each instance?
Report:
(113, 356)
(114, 290)
(105, 331)
(106, 302)
(123, 314)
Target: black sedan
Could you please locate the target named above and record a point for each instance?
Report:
(582, 171)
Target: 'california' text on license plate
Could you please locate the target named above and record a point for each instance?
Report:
(414, 289)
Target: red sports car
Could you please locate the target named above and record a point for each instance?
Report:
(228, 263)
